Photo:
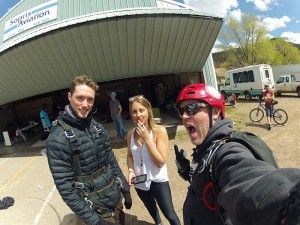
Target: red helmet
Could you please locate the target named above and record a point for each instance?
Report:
(202, 92)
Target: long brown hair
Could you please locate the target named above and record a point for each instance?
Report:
(144, 102)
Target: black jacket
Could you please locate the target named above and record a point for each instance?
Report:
(94, 153)
(249, 191)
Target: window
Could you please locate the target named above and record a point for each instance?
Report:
(293, 78)
(235, 78)
(287, 79)
(267, 74)
(251, 76)
(280, 80)
(246, 77)
(241, 77)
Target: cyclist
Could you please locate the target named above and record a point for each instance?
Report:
(268, 96)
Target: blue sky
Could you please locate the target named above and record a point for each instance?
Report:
(282, 17)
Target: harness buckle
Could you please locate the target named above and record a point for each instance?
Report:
(89, 202)
(70, 134)
(106, 214)
(79, 185)
(54, 123)
(98, 128)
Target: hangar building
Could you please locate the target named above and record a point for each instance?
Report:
(149, 47)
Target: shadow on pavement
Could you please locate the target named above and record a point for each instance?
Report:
(72, 219)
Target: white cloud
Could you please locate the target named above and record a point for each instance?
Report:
(269, 36)
(236, 14)
(262, 5)
(233, 45)
(276, 23)
(297, 21)
(216, 47)
(213, 7)
(291, 36)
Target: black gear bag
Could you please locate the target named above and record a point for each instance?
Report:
(256, 145)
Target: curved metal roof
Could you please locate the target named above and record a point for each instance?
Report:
(106, 46)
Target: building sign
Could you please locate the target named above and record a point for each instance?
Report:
(30, 18)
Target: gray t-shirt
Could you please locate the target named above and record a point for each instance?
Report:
(114, 107)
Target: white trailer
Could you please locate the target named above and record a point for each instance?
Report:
(248, 81)
(285, 69)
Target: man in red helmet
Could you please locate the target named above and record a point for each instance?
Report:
(228, 185)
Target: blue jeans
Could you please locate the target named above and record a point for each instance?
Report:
(269, 109)
(160, 193)
(118, 122)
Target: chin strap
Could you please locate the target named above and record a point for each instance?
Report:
(210, 117)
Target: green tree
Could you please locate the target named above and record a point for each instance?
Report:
(246, 40)
(286, 53)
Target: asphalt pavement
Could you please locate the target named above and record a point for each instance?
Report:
(25, 176)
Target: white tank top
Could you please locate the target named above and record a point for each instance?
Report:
(144, 165)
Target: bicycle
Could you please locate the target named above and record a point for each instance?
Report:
(279, 115)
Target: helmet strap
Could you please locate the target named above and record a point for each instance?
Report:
(210, 116)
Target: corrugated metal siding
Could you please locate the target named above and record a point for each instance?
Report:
(71, 8)
(96, 38)
(210, 73)
(110, 49)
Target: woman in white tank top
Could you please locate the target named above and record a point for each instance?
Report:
(148, 145)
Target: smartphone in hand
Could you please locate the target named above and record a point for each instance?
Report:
(139, 179)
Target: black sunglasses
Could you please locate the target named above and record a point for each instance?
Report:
(191, 109)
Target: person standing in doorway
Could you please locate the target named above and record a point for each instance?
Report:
(147, 150)
(115, 112)
(45, 118)
(268, 96)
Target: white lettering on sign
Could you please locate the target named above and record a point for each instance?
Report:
(31, 18)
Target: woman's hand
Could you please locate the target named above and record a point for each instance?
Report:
(130, 176)
(142, 131)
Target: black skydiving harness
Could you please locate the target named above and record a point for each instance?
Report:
(90, 178)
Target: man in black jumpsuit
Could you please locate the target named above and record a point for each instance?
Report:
(240, 189)
(82, 163)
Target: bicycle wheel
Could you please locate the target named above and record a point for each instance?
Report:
(280, 116)
(256, 115)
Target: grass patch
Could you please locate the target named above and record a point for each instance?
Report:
(181, 135)
(238, 117)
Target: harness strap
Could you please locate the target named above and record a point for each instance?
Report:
(92, 177)
(104, 212)
(72, 138)
(102, 192)
(97, 127)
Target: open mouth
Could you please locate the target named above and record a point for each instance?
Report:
(191, 129)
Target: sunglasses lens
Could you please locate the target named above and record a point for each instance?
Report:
(181, 111)
(190, 109)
